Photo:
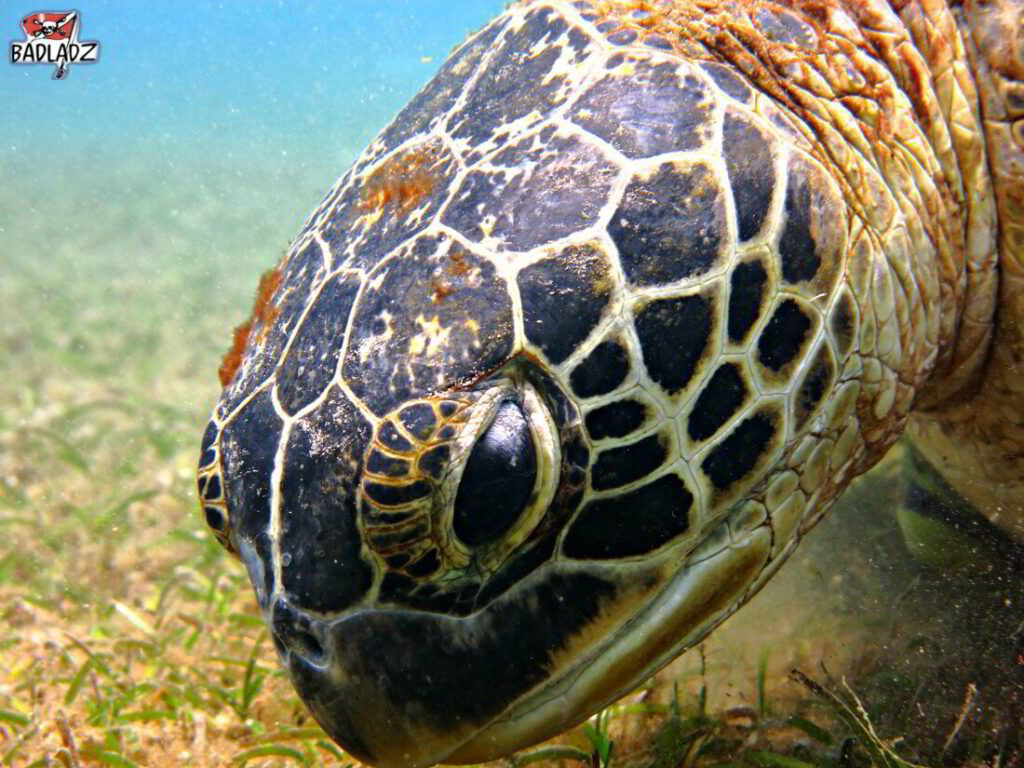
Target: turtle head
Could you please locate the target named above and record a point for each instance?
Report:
(537, 400)
(396, 472)
(452, 572)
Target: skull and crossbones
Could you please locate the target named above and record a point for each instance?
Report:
(49, 28)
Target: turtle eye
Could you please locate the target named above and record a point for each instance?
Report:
(498, 479)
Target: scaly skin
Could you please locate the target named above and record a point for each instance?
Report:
(942, 125)
(887, 99)
(709, 318)
(977, 443)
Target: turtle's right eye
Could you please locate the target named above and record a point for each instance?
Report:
(499, 478)
(454, 485)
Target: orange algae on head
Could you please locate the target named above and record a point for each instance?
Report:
(402, 182)
(263, 314)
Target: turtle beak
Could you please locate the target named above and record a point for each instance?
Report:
(408, 689)
(403, 688)
(352, 690)
(400, 688)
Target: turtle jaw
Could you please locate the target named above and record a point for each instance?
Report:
(695, 601)
(355, 715)
(403, 689)
(357, 707)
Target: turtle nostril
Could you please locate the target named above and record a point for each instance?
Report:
(296, 642)
(308, 647)
(279, 644)
(292, 636)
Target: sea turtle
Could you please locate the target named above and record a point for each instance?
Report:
(565, 366)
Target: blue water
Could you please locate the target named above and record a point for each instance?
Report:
(231, 76)
(205, 133)
(282, 96)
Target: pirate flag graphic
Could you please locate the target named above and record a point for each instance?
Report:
(51, 37)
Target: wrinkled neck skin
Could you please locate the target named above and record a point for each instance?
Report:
(977, 442)
(916, 126)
